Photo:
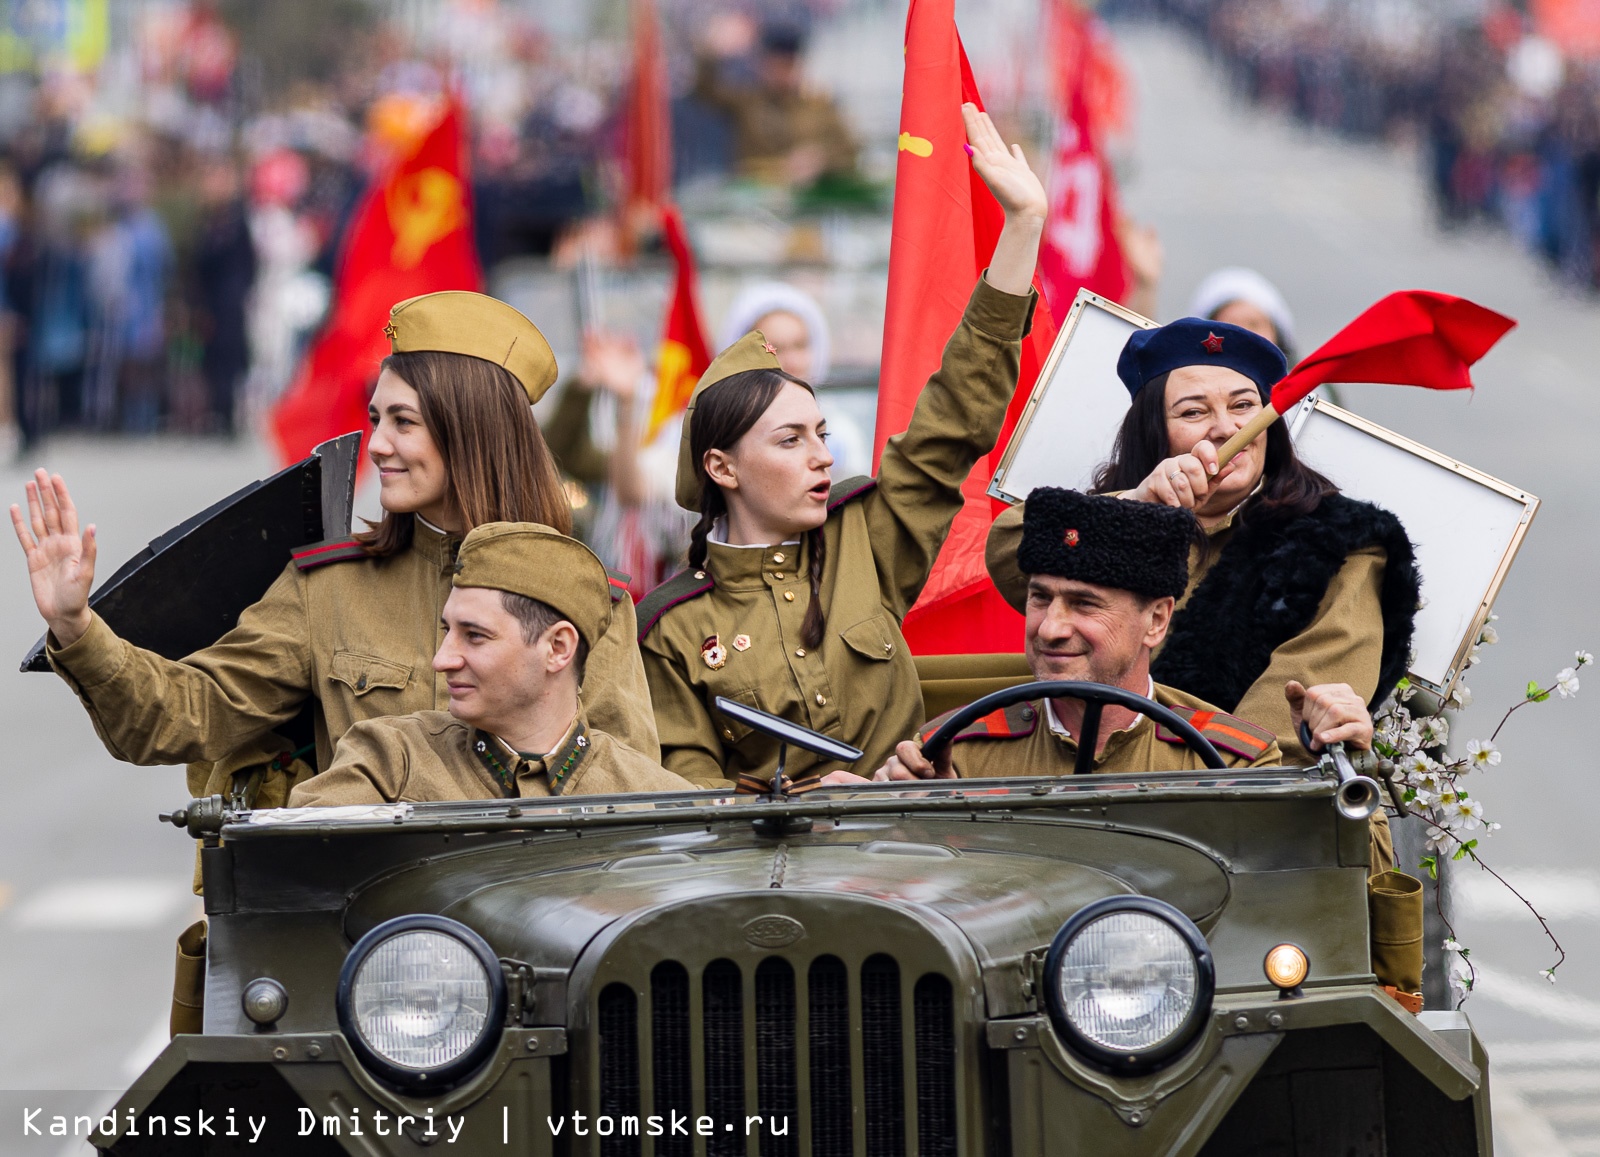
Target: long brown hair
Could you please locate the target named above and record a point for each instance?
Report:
(1289, 487)
(497, 467)
(723, 414)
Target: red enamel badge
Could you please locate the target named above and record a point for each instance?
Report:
(1070, 538)
(770, 348)
(1213, 344)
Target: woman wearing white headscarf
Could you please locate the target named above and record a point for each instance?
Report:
(1244, 298)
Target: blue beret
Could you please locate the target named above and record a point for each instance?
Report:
(1191, 341)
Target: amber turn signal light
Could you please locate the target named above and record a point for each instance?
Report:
(1286, 967)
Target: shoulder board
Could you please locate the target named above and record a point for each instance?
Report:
(619, 584)
(1012, 722)
(328, 550)
(1227, 732)
(849, 489)
(680, 588)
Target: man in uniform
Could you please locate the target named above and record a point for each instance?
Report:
(526, 606)
(1099, 579)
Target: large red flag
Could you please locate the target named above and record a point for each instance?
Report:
(647, 122)
(684, 353)
(945, 226)
(1080, 247)
(412, 234)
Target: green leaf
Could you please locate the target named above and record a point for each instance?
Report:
(1540, 697)
(1533, 690)
(1409, 795)
(1431, 863)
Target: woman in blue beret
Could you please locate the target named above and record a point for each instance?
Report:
(1296, 582)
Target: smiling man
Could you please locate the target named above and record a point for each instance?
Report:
(1097, 579)
(527, 604)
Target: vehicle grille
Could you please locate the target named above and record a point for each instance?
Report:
(823, 1049)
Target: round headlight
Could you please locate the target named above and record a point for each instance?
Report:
(1128, 982)
(422, 1001)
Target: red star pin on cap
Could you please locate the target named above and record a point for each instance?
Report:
(770, 348)
(1213, 344)
(1070, 538)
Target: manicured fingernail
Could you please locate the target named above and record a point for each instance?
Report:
(968, 148)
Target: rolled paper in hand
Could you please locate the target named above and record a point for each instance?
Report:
(1411, 338)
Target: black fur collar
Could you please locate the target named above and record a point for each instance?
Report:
(1265, 588)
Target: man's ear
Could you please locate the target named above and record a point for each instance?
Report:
(562, 640)
(1158, 619)
(720, 469)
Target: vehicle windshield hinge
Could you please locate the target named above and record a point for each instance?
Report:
(522, 998)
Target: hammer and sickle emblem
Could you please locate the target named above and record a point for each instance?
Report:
(916, 146)
(424, 208)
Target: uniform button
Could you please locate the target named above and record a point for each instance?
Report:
(727, 733)
(888, 648)
(822, 700)
(361, 683)
(699, 574)
(778, 557)
(788, 596)
(777, 574)
(1027, 712)
(800, 653)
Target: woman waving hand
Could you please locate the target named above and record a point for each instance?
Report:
(795, 588)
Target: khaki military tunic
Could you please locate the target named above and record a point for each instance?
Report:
(733, 628)
(768, 126)
(1020, 740)
(431, 755)
(358, 637)
(1343, 643)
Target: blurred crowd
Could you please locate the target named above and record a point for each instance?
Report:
(1508, 121)
(170, 217)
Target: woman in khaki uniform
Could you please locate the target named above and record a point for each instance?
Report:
(1295, 580)
(352, 624)
(795, 588)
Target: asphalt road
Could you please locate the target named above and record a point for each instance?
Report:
(93, 890)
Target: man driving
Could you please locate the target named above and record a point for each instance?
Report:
(527, 604)
(1098, 581)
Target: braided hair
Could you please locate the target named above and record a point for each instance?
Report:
(723, 414)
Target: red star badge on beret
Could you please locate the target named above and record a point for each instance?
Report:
(770, 348)
(1070, 538)
(1213, 344)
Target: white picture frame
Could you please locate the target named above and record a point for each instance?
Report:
(1073, 413)
(1466, 526)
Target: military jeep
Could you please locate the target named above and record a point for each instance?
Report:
(1173, 964)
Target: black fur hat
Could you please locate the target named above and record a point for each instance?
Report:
(1111, 542)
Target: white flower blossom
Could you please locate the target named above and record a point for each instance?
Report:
(1549, 974)
(1435, 731)
(1488, 637)
(1442, 841)
(1460, 979)
(1583, 657)
(1463, 814)
(1461, 696)
(1451, 944)
(1482, 753)
(1473, 658)
(1566, 682)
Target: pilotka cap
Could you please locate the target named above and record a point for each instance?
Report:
(456, 321)
(1141, 547)
(527, 558)
(1192, 341)
(751, 352)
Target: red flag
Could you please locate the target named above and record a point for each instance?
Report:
(412, 234)
(1411, 338)
(684, 353)
(944, 230)
(647, 128)
(1080, 247)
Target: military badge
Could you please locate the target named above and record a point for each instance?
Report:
(1070, 537)
(741, 642)
(1212, 344)
(713, 653)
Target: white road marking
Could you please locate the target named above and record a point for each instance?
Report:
(1536, 997)
(1559, 895)
(102, 905)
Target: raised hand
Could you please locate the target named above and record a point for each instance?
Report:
(60, 560)
(1004, 170)
(1021, 195)
(611, 362)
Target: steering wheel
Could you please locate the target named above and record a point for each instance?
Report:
(1095, 696)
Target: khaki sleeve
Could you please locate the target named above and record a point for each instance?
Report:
(150, 710)
(616, 694)
(1342, 644)
(1271, 757)
(568, 436)
(710, 89)
(957, 420)
(370, 765)
(690, 746)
